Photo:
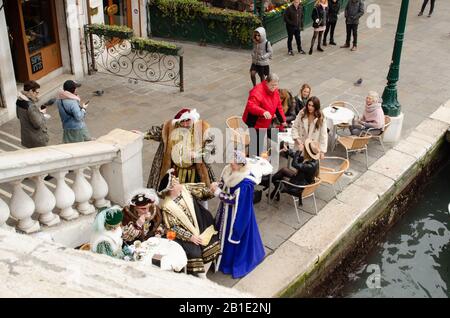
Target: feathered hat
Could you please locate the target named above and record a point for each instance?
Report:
(166, 181)
(108, 216)
(186, 114)
(143, 196)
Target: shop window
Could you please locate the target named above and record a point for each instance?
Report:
(38, 23)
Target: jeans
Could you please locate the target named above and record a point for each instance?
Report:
(293, 32)
(425, 2)
(352, 28)
(330, 28)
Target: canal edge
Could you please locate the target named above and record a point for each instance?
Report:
(309, 254)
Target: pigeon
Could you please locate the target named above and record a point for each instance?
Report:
(99, 92)
(358, 82)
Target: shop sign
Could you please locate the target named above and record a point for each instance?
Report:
(36, 63)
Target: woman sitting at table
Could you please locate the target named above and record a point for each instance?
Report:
(310, 124)
(373, 117)
(302, 98)
(307, 167)
(288, 105)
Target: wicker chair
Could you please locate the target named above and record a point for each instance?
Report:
(355, 144)
(240, 135)
(387, 123)
(331, 176)
(308, 191)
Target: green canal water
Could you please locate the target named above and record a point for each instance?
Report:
(413, 259)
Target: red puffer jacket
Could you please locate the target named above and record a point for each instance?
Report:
(260, 100)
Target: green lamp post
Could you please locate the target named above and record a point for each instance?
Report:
(391, 106)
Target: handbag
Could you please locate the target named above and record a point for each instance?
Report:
(320, 23)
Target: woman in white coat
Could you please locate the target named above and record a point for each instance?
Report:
(310, 123)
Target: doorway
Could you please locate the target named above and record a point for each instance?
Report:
(33, 38)
(117, 12)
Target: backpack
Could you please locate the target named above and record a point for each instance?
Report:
(267, 46)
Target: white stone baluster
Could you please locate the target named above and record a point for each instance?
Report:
(45, 202)
(65, 197)
(100, 188)
(83, 192)
(22, 208)
(4, 216)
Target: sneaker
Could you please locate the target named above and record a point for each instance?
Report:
(301, 51)
(345, 46)
(420, 14)
(353, 48)
(291, 53)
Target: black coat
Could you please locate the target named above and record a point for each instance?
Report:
(333, 10)
(294, 17)
(290, 113)
(299, 105)
(306, 170)
(319, 13)
(354, 11)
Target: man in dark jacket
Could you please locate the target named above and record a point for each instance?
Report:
(293, 16)
(333, 11)
(353, 12)
(33, 126)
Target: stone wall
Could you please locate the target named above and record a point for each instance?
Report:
(31, 267)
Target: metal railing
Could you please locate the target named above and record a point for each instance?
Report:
(117, 57)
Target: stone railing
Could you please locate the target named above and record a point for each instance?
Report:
(112, 164)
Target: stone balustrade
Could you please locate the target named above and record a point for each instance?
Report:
(104, 170)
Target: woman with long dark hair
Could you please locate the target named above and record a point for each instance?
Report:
(310, 123)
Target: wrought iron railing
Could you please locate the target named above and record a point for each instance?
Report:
(118, 57)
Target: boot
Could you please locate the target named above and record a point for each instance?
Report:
(319, 48)
(324, 43)
(310, 51)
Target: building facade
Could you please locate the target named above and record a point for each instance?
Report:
(45, 40)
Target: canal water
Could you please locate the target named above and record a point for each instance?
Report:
(413, 260)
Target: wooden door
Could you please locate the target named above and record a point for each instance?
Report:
(35, 45)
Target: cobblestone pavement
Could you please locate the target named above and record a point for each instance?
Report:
(217, 84)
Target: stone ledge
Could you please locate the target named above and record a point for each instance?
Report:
(393, 164)
(432, 127)
(322, 231)
(278, 270)
(375, 182)
(409, 147)
(442, 114)
(31, 267)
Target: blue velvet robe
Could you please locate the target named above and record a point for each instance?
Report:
(242, 247)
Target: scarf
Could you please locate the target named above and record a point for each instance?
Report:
(28, 96)
(68, 95)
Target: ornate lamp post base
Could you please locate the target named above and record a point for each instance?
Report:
(391, 106)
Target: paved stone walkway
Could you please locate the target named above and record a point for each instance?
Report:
(217, 84)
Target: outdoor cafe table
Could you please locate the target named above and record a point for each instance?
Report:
(260, 167)
(172, 254)
(336, 116)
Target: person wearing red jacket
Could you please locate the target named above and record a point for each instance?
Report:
(263, 105)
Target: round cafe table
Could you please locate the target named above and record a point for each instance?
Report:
(336, 116)
(172, 254)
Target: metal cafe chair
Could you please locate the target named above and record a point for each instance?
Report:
(308, 191)
(331, 176)
(355, 144)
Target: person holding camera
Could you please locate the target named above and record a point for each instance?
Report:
(72, 114)
(319, 16)
(33, 126)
